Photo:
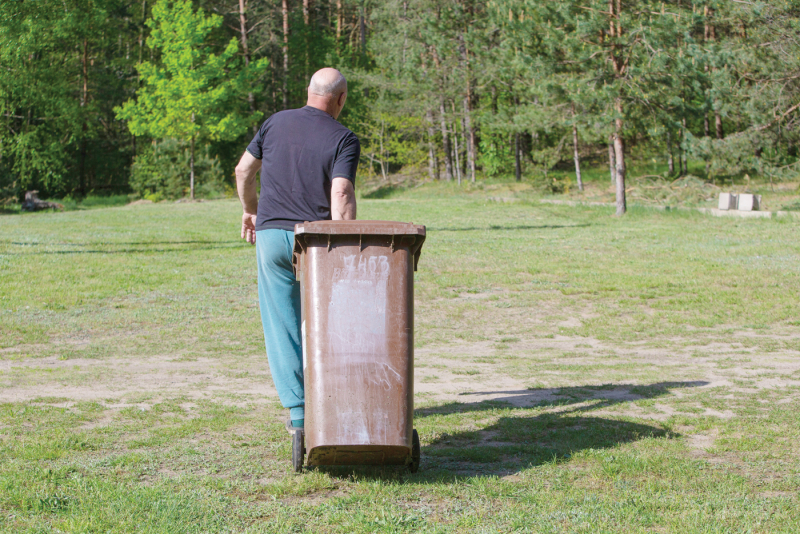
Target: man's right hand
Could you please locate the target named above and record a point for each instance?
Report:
(249, 228)
(246, 171)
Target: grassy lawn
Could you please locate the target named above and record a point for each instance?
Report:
(575, 372)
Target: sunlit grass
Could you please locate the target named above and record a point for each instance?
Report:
(131, 339)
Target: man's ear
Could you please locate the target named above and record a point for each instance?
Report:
(341, 99)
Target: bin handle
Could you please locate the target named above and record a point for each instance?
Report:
(416, 249)
(299, 245)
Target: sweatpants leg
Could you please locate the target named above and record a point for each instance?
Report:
(279, 301)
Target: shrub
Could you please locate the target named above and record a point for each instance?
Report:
(162, 171)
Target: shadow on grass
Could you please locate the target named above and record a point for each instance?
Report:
(525, 434)
(521, 440)
(178, 246)
(603, 396)
(384, 191)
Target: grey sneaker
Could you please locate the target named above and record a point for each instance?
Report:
(292, 429)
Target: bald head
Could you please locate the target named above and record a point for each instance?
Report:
(327, 82)
(327, 91)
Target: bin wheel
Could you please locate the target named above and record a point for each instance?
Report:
(415, 452)
(298, 451)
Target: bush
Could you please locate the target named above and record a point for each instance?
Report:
(162, 172)
(9, 188)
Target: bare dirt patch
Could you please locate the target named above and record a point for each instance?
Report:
(521, 371)
(115, 379)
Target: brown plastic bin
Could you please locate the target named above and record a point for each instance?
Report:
(357, 286)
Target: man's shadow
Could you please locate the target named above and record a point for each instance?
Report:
(529, 436)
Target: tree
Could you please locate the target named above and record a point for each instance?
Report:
(64, 68)
(192, 94)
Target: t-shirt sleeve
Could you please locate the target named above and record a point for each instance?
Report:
(346, 162)
(255, 145)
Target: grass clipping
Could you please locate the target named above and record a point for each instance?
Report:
(687, 190)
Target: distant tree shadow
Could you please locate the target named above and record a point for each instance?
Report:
(143, 247)
(495, 227)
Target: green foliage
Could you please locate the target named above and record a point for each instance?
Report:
(495, 158)
(190, 94)
(390, 142)
(159, 172)
(63, 71)
(87, 82)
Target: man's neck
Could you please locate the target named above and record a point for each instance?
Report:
(322, 104)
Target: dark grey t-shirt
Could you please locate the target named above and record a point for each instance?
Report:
(302, 150)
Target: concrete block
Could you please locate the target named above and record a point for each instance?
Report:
(727, 201)
(748, 202)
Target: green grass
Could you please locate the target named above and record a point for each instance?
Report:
(577, 372)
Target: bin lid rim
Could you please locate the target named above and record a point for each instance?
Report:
(359, 227)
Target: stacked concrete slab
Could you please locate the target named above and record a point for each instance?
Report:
(740, 202)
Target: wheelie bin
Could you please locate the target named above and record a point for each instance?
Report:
(357, 287)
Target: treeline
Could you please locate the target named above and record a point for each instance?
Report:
(452, 89)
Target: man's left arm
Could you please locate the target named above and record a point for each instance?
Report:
(343, 200)
(343, 194)
(246, 172)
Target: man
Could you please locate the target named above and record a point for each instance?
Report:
(308, 167)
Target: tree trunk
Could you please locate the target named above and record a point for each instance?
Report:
(362, 30)
(470, 135)
(339, 22)
(517, 158)
(469, 131)
(405, 33)
(684, 160)
(576, 157)
(191, 168)
(612, 164)
(83, 100)
(448, 161)
(251, 100)
(362, 37)
(575, 154)
(465, 141)
(433, 163)
(619, 156)
(710, 35)
(383, 155)
(615, 14)
(141, 34)
(285, 9)
(456, 151)
(306, 38)
(670, 161)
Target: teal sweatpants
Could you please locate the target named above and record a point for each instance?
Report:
(279, 301)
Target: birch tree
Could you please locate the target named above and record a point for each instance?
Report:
(191, 94)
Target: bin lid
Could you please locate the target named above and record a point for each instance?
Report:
(359, 228)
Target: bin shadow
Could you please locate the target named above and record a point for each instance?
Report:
(526, 434)
(529, 436)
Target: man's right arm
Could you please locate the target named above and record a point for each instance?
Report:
(246, 172)
(343, 200)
